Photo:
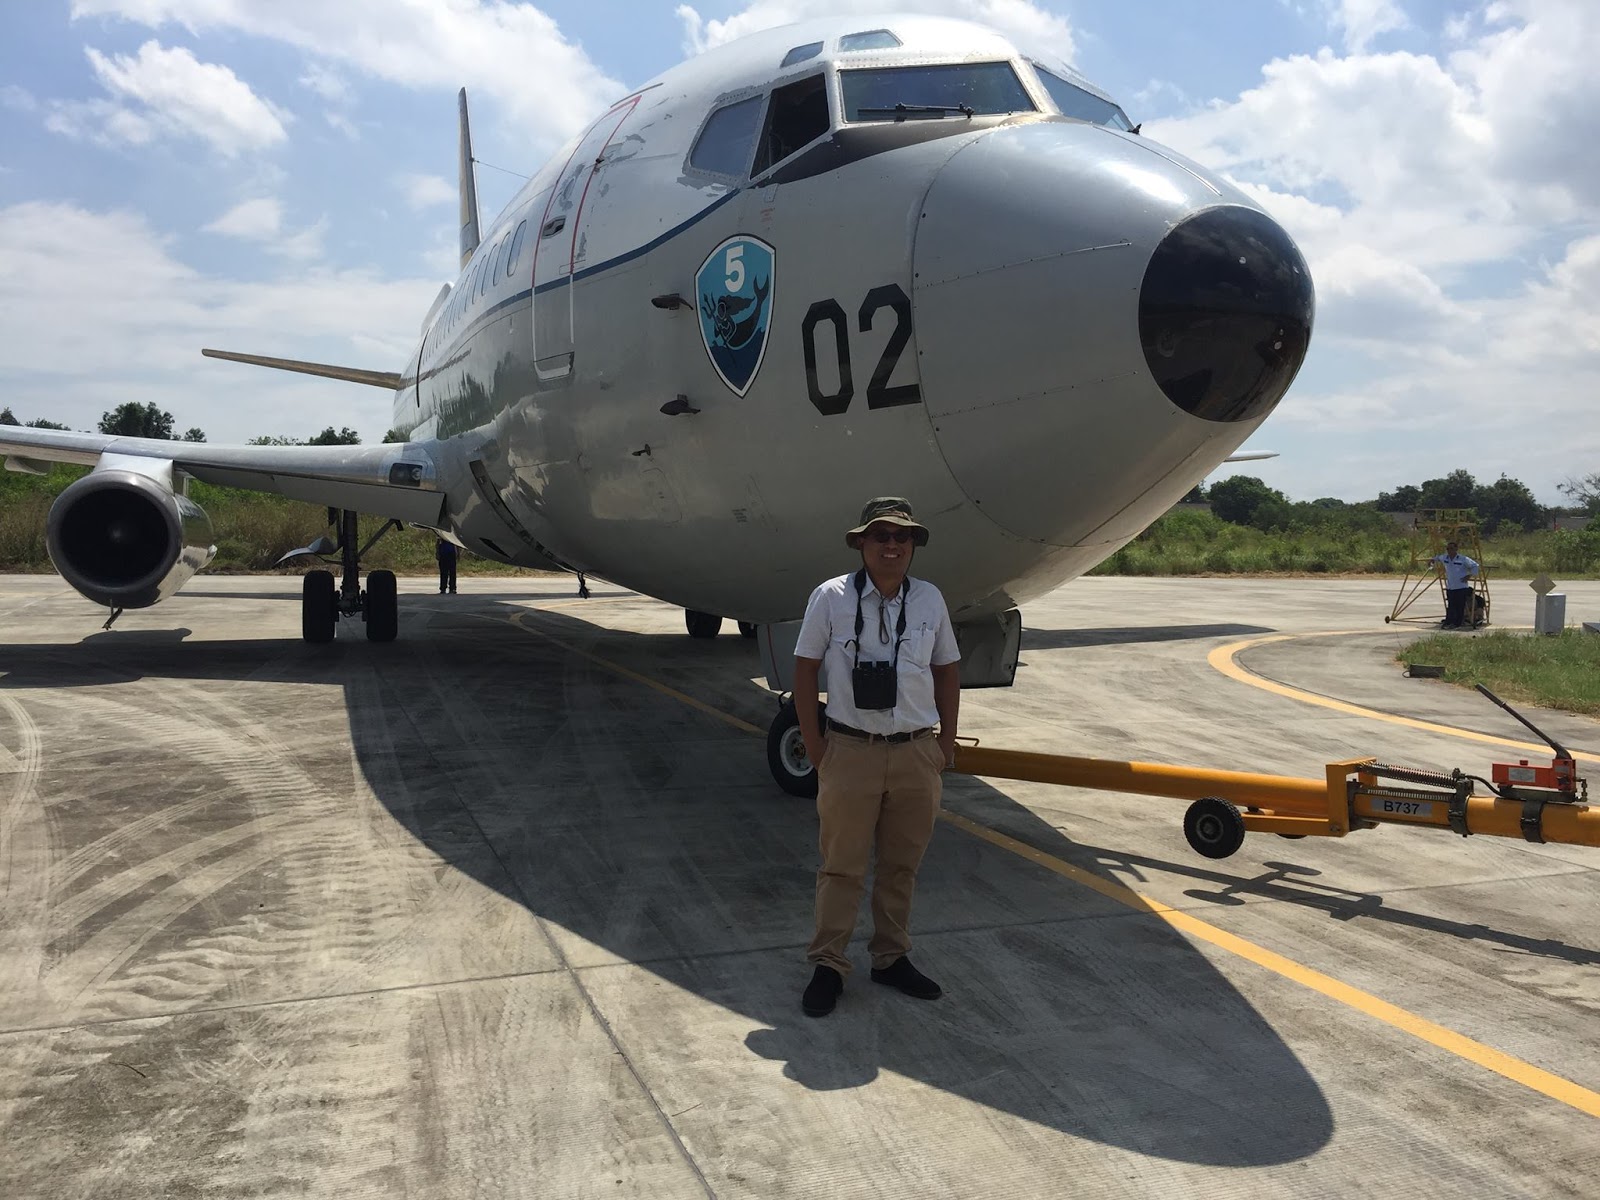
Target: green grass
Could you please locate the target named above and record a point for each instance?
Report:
(1554, 672)
(1198, 543)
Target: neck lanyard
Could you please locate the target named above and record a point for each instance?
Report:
(900, 625)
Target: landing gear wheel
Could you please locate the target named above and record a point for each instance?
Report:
(786, 752)
(319, 606)
(1213, 827)
(747, 629)
(382, 607)
(701, 625)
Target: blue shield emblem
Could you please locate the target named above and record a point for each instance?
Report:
(734, 285)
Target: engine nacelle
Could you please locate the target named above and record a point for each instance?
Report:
(124, 537)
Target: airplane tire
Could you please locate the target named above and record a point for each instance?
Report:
(747, 629)
(786, 752)
(383, 607)
(701, 625)
(1213, 827)
(319, 606)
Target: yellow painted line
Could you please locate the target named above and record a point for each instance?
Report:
(1223, 659)
(1514, 1069)
(1528, 1075)
(521, 621)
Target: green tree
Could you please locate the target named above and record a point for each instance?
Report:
(344, 436)
(194, 434)
(1507, 502)
(1455, 490)
(1405, 498)
(271, 439)
(7, 417)
(1237, 498)
(137, 420)
(41, 423)
(400, 435)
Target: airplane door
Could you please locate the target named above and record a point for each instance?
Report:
(558, 243)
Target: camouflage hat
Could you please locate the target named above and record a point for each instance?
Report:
(891, 510)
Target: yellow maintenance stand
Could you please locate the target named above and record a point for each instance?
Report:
(1432, 530)
(1535, 803)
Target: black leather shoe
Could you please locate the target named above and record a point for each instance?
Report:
(822, 993)
(901, 974)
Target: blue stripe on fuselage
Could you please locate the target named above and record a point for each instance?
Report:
(550, 286)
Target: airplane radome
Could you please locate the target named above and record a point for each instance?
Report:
(843, 258)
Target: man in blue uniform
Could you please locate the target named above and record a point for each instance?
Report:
(445, 553)
(1458, 573)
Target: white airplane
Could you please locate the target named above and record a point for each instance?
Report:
(839, 259)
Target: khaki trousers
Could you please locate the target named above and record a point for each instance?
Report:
(872, 792)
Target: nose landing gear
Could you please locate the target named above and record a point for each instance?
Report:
(321, 605)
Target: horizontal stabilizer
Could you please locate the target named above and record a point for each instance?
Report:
(383, 379)
(1255, 456)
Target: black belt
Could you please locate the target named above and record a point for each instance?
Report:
(893, 739)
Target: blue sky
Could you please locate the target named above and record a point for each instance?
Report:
(280, 177)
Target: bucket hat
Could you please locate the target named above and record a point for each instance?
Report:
(891, 510)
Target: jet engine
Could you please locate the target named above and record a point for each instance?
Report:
(125, 537)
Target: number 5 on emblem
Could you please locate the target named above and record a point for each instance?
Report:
(735, 266)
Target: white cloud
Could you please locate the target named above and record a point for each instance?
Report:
(254, 220)
(169, 91)
(1025, 21)
(261, 220)
(18, 99)
(64, 269)
(328, 84)
(426, 191)
(514, 54)
(1364, 20)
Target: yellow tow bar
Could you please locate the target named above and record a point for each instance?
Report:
(1355, 794)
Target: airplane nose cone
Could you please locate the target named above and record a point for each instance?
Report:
(1099, 323)
(1225, 314)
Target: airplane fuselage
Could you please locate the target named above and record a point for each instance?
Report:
(966, 310)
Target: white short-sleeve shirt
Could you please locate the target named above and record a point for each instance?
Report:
(1458, 568)
(828, 632)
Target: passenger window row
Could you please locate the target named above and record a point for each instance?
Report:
(489, 268)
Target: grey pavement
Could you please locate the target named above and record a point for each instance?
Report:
(476, 914)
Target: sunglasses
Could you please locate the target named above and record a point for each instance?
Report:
(884, 536)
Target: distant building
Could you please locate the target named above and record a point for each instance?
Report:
(1572, 523)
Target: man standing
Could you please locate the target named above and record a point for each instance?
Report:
(1458, 570)
(445, 552)
(891, 660)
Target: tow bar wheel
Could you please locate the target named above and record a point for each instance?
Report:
(1213, 827)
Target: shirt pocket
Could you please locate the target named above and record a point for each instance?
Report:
(917, 647)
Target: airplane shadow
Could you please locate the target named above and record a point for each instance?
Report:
(643, 829)
(1059, 639)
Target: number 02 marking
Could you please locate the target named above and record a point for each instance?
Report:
(879, 393)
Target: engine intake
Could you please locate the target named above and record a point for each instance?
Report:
(124, 538)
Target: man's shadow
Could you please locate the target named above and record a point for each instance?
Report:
(651, 832)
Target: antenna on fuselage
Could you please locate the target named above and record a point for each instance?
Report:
(469, 187)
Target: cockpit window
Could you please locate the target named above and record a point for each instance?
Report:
(797, 115)
(958, 88)
(724, 145)
(800, 53)
(872, 39)
(1073, 101)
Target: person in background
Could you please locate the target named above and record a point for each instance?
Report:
(1459, 570)
(446, 552)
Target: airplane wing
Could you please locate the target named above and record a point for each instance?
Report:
(1253, 456)
(394, 479)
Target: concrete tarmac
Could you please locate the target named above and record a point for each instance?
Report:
(512, 908)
